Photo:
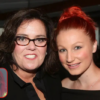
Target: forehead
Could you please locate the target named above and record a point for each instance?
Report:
(32, 26)
(72, 36)
(36, 21)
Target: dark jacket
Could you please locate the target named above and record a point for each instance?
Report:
(19, 90)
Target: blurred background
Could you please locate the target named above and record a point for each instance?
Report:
(53, 8)
(4, 72)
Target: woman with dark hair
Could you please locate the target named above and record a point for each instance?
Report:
(74, 43)
(24, 48)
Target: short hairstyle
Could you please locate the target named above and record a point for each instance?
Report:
(7, 43)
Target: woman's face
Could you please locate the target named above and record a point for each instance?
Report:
(30, 57)
(75, 50)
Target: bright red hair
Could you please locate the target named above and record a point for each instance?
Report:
(74, 17)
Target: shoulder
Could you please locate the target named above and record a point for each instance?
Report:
(66, 83)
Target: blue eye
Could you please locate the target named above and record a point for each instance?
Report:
(78, 47)
(62, 50)
(41, 39)
(21, 38)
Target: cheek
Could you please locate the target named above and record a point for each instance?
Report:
(17, 49)
(83, 55)
(43, 50)
(61, 58)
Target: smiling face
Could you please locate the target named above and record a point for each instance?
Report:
(30, 57)
(75, 50)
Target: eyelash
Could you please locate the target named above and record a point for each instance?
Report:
(22, 38)
(40, 39)
(62, 50)
(78, 47)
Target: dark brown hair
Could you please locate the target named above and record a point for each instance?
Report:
(7, 44)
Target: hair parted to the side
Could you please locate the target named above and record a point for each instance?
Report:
(72, 18)
(7, 43)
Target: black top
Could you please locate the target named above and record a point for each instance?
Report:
(19, 90)
(72, 94)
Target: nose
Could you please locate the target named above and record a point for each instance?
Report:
(31, 46)
(70, 57)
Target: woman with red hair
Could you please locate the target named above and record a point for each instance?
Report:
(75, 43)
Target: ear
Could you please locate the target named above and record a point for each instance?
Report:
(94, 47)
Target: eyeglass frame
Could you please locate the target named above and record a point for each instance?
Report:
(31, 40)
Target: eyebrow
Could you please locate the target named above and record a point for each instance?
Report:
(72, 44)
(35, 36)
(78, 42)
(21, 35)
(40, 35)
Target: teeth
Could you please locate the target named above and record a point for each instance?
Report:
(73, 65)
(30, 56)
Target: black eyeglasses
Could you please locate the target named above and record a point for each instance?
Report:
(23, 41)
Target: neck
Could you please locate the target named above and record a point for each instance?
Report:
(91, 75)
(26, 76)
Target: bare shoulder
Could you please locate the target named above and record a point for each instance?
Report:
(95, 86)
(66, 83)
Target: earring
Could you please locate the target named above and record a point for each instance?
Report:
(46, 53)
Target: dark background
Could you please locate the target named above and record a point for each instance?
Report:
(53, 8)
(4, 72)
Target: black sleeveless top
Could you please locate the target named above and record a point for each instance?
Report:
(73, 94)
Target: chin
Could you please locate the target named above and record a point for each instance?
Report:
(31, 67)
(75, 73)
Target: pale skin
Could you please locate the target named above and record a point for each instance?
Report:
(21, 54)
(75, 50)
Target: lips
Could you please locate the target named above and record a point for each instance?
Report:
(73, 65)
